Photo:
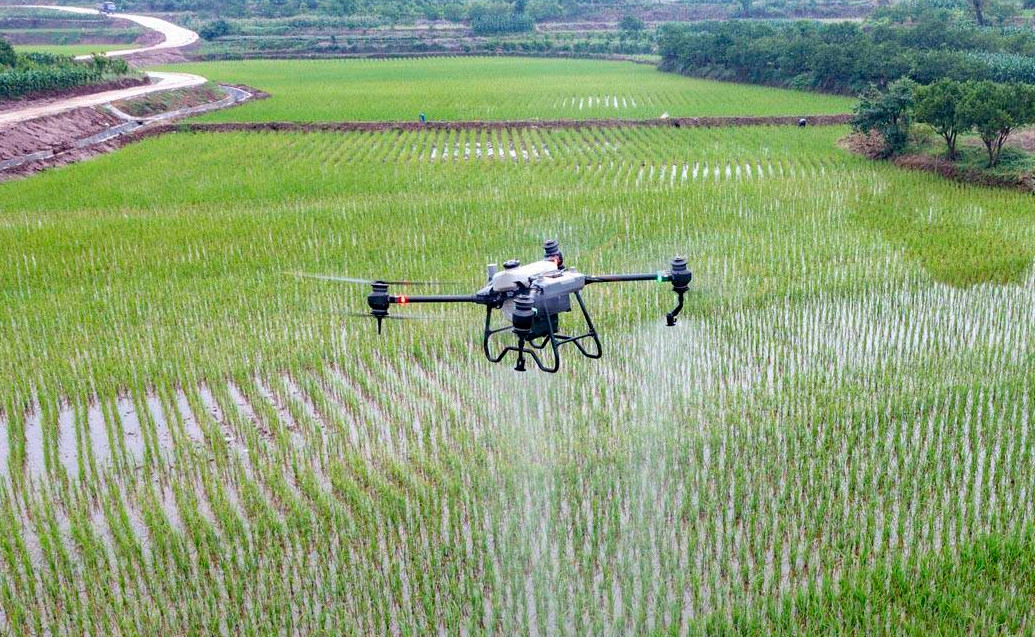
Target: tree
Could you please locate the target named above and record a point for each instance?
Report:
(7, 55)
(979, 11)
(338, 7)
(215, 29)
(995, 111)
(631, 24)
(886, 112)
(939, 105)
(546, 10)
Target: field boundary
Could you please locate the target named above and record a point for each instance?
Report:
(361, 126)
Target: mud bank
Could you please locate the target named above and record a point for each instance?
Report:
(346, 127)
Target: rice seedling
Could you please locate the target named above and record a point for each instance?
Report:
(491, 89)
(838, 436)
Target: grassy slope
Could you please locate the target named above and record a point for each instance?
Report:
(828, 408)
(72, 49)
(491, 89)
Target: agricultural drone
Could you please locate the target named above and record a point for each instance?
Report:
(531, 299)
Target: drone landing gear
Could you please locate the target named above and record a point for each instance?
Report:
(534, 340)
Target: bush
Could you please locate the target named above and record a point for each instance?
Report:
(495, 24)
(215, 29)
(631, 24)
(846, 58)
(888, 113)
(7, 55)
(545, 10)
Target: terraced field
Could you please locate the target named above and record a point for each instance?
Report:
(492, 89)
(836, 438)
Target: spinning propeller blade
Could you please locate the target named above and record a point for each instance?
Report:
(396, 317)
(348, 279)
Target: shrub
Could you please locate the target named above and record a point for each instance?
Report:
(886, 112)
(215, 29)
(496, 24)
(7, 55)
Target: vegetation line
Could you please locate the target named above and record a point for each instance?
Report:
(553, 124)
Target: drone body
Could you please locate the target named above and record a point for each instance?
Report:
(531, 299)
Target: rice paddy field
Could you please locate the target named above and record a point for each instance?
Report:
(502, 88)
(836, 438)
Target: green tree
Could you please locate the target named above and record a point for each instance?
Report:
(215, 29)
(888, 113)
(8, 57)
(631, 24)
(338, 7)
(995, 111)
(939, 105)
(546, 10)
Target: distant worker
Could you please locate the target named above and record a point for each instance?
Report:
(423, 118)
(802, 122)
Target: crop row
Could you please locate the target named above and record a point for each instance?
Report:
(414, 494)
(198, 441)
(471, 88)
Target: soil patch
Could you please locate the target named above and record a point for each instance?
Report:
(55, 132)
(869, 145)
(155, 57)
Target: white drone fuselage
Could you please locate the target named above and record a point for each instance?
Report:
(549, 286)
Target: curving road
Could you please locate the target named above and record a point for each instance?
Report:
(175, 37)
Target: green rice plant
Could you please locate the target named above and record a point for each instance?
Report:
(837, 434)
(449, 89)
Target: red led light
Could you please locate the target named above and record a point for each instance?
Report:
(403, 300)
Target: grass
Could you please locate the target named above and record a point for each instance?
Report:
(836, 438)
(167, 101)
(492, 89)
(72, 49)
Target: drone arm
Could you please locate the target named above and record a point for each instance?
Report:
(620, 278)
(439, 298)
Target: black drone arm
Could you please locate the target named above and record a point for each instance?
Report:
(403, 299)
(678, 275)
(380, 300)
(619, 278)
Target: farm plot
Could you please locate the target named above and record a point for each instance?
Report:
(492, 89)
(837, 436)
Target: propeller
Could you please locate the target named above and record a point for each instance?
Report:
(380, 317)
(396, 317)
(348, 279)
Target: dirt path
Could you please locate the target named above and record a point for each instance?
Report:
(161, 81)
(175, 37)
